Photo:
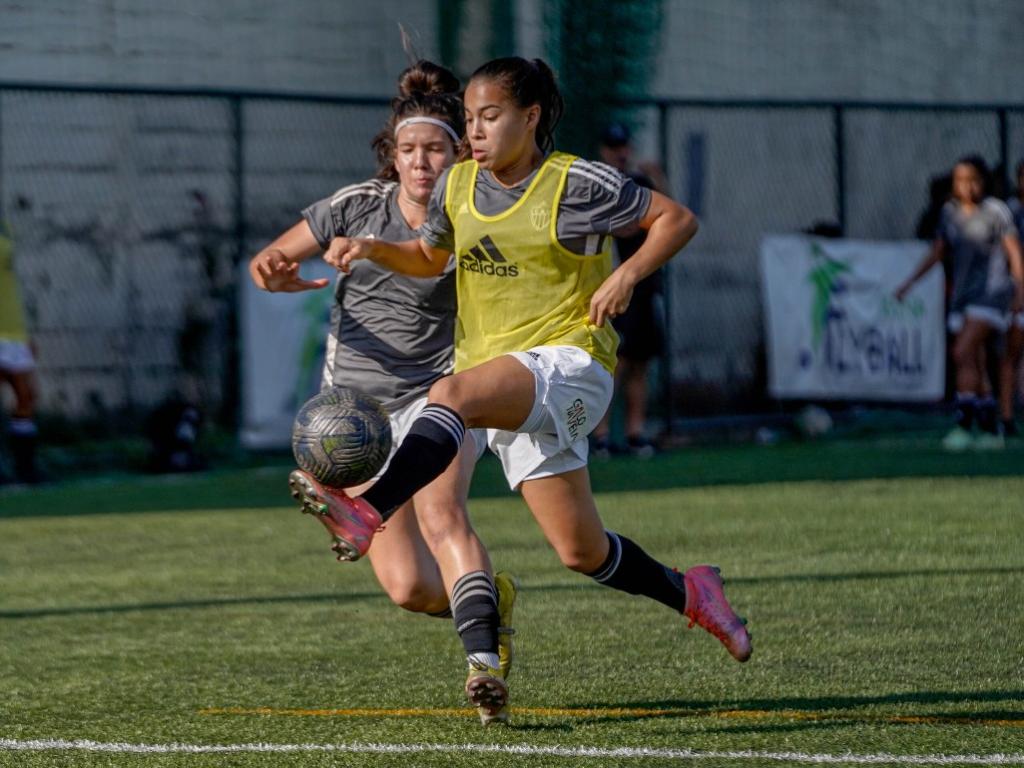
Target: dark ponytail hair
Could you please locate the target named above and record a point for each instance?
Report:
(425, 89)
(528, 83)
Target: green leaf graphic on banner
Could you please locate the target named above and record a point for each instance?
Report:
(823, 276)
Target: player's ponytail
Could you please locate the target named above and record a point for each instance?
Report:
(425, 89)
(529, 83)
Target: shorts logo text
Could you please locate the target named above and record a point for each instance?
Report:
(576, 417)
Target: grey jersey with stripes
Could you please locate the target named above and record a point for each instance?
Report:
(597, 202)
(391, 336)
(975, 241)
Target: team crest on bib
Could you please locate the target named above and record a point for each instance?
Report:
(540, 217)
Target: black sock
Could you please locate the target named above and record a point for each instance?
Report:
(988, 415)
(966, 405)
(632, 570)
(433, 441)
(22, 440)
(1009, 427)
(475, 605)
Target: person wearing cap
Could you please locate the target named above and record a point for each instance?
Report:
(640, 326)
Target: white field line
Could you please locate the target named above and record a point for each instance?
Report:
(880, 758)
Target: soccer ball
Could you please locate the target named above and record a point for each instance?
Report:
(341, 437)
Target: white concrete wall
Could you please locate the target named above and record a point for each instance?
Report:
(323, 46)
(919, 50)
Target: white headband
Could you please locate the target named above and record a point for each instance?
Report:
(431, 121)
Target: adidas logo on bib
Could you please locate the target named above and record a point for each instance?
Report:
(486, 259)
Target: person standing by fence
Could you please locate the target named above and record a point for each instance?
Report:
(988, 280)
(1009, 369)
(17, 366)
(640, 327)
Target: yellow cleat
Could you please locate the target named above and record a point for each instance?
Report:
(508, 589)
(486, 690)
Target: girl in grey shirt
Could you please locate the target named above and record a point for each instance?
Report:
(976, 233)
(391, 337)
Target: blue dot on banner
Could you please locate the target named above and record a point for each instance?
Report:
(806, 358)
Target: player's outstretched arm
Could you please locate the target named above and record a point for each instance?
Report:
(276, 267)
(670, 226)
(933, 257)
(409, 257)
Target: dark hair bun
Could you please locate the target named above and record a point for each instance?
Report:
(427, 78)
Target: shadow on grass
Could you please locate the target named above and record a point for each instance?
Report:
(818, 712)
(584, 584)
(215, 602)
(265, 487)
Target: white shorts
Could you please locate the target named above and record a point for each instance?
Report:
(401, 421)
(16, 357)
(991, 317)
(573, 392)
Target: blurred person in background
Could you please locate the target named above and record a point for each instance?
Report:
(977, 232)
(391, 337)
(1009, 368)
(641, 326)
(17, 364)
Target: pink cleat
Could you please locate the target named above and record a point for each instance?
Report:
(706, 605)
(351, 522)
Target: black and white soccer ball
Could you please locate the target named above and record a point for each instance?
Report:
(341, 437)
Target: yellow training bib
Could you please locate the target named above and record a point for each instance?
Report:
(12, 315)
(518, 287)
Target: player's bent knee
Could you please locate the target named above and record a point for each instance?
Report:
(448, 391)
(580, 560)
(411, 596)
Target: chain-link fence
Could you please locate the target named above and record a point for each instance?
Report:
(132, 209)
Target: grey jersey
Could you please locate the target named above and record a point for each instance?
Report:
(391, 336)
(597, 202)
(975, 242)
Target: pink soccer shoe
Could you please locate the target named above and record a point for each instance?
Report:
(706, 605)
(351, 522)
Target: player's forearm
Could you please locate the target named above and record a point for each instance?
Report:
(410, 257)
(1015, 258)
(669, 231)
(924, 266)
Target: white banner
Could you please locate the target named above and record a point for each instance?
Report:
(834, 330)
(282, 337)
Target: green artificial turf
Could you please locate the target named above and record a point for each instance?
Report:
(885, 613)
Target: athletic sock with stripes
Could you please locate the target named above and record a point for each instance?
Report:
(475, 605)
(630, 569)
(433, 441)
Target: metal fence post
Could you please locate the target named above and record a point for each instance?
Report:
(840, 158)
(231, 408)
(666, 285)
(1004, 149)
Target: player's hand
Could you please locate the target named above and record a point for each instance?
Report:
(612, 298)
(272, 272)
(344, 250)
